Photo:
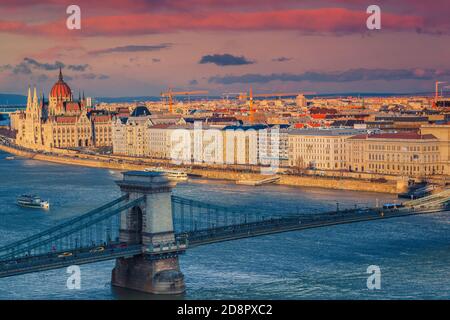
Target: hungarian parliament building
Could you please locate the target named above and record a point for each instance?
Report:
(61, 122)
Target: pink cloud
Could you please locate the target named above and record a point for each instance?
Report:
(324, 20)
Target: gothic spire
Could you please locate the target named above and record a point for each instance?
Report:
(35, 98)
(29, 96)
(60, 74)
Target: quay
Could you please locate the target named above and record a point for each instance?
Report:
(124, 164)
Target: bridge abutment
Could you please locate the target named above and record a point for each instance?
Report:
(150, 225)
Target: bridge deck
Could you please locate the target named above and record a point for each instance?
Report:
(208, 236)
(56, 260)
(78, 239)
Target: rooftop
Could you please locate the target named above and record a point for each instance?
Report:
(327, 132)
(396, 136)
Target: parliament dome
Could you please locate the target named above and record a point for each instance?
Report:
(61, 89)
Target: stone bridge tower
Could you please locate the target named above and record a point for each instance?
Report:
(149, 224)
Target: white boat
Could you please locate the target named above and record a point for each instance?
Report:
(177, 175)
(32, 201)
(10, 158)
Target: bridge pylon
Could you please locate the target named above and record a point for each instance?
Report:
(149, 224)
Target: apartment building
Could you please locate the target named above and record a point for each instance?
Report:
(442, 133)
(322, 149)
(403, 154)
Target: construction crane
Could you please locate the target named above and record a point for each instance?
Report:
(170, 94)
(250, 96)
(436, 97)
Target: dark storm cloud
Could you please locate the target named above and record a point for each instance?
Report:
(225, 60)
(342, 76)
(132, 48)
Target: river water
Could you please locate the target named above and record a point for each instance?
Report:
(413, 253)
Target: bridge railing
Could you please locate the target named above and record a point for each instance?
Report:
(61, 226)
(99, 226)
(191, 215)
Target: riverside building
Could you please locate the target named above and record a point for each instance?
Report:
(61, 122)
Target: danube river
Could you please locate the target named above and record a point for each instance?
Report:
(413, 253)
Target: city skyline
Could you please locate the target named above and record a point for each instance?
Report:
(138, 48)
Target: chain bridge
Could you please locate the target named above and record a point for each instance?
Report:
(147, 228)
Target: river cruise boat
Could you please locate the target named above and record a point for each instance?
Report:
(32, 201)
(176, 175)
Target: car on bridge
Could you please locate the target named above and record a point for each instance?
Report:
(97, 250)
(65, 255)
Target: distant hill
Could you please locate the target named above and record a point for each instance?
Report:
(12, 99)
(15, 99)
(212, 97)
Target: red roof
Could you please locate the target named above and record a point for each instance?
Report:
(72, 107)
(65, 119)
(102, 118)
(318, 116)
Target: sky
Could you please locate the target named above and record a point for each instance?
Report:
(144, 47)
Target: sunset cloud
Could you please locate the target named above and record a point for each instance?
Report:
(132, 48)
(225, 59)
(281, 59)
(138, 46)
(340, 76)
(311, 21)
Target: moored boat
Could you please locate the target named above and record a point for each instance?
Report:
(177, 175)
(32, 201)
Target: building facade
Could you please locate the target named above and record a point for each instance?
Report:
(321, 149)
(401, 154)
(442, 133)
(62, 122)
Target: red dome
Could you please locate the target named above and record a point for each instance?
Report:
(61, 89)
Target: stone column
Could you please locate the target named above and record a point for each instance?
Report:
(148, 224)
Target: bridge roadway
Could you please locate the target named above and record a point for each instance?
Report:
(185, 240)
(272, 226)
(56, 260)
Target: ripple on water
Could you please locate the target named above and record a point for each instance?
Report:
(325, 263)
